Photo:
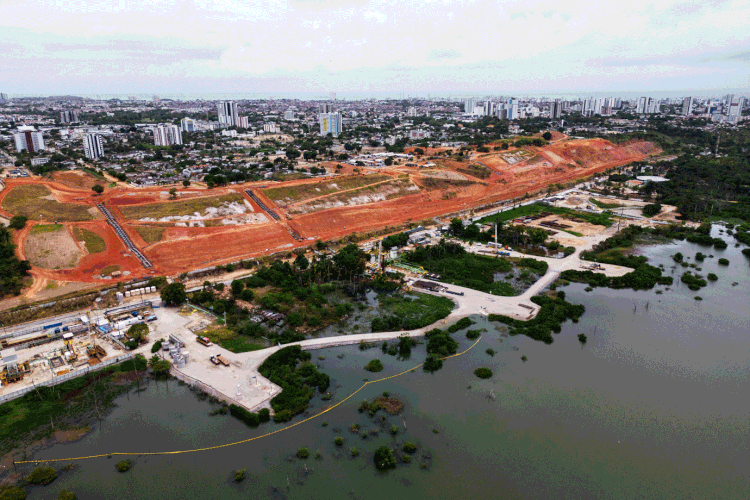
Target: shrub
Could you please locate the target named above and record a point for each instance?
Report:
(303, 453)
(42, 475)
(409, 447)
(354, 451)
(723, 262)
(124, 465)
(156, 347)
(18, 222)
(374, 366)
(264, 415)
(712, 277)
(8, 492)
(239, 475)
(524, 358)
(491, 352)
(698, 297)
(64, 495)
(241, 413)
(432, 364)
(582, 338)
(339, 441)
(473, 334)
(384, 458)
(394, 429)
(483, 372)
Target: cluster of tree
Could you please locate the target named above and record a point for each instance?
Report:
(12, 271)
(410, 314)
(552, 314)
(290, 369)
(250, 418)
(395, 240)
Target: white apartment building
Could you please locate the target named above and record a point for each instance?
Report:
(167, 135)
(93, 146)
(227, 113)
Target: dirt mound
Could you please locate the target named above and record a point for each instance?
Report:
(75, 179)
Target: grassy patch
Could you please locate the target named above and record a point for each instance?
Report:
(401, 312)
(109, 270)
(526, 210)
(178, 208)
(29, 200)
(232, 341)
(476, 170)
(150, 234)
(45, 228)
(94, 243)
(552, 314)
(603, 205)
(294, 194)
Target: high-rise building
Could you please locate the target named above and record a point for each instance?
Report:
(642, 106)
(735, 105)
(187, 125)
(243, 122)
(227, 113)
(289, 114)
(513, 110)
(330, 123)
(654, 106)
(93, 146)
(167, 135)
(469, 105)
(556, 110)
(332, 96)
(687, 106)
(69, 116)
(3, 98)
(325, 108)
(412, 111)
(27, 139)
(489, 108)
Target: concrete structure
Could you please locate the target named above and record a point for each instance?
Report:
(735, 105)
(69, 116)
(27, 139)
(93, 147)
(243, 122)
(167, 135)
(187, 125)
(227, 113)
(687, 106)
(330, 123)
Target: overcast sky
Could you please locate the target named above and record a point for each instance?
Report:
(134, 46)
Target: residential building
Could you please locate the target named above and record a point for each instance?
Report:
(93, 146)
(489, 108)
(469, 105)
(325, 108)
(35, 162)
(330, 123)
(687, 106)
(556, 110)
(27, 139)
(167, 135)
(227, 113)
(69, 116)
(3, 98)
(271, 128)
(243, 122)
(412, 111)
(289, 114)
(513, 109)
(735, 105)
(419, 134)
(654, 106)
(188, 125)
(642, 106)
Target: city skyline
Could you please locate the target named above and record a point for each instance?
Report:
(378, 46)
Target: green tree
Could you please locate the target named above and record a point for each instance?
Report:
(173, 193)
(301, 262)
(67, 495)
(350, 260)
(138, 332)
(97, 188)
(547, 136)
(18, 222)
(186, 183)
(42, 476)
(8, 492)
(457, 227)
(173, 294)
(159, 366)
(384, 458)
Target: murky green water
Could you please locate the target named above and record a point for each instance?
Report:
(654, 406)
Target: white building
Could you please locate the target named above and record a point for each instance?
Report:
(167, 135)
(27, 139)
(489, 108)
(419, 134)
(642, 105)
(735, 105)
(556, 110)
(412, 111)
(289, 114)
(243, 122)
(469, 105)
(271, 128)
(330, 123)
(227, 113)
(687, 106)
(513, 110)
(187, 125)
(93, 146)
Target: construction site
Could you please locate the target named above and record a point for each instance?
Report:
(76, 236)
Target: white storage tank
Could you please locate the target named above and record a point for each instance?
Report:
(127, 293)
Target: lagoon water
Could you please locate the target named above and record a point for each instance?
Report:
(654, 406)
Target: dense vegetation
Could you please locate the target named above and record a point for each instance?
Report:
(290, 369)
(440, 343)
(552, 314)
(402, 312)
(459, 267)
(602, 219)
(12, 270)
(483, 372)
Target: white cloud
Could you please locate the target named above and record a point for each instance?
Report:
(439, 45)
